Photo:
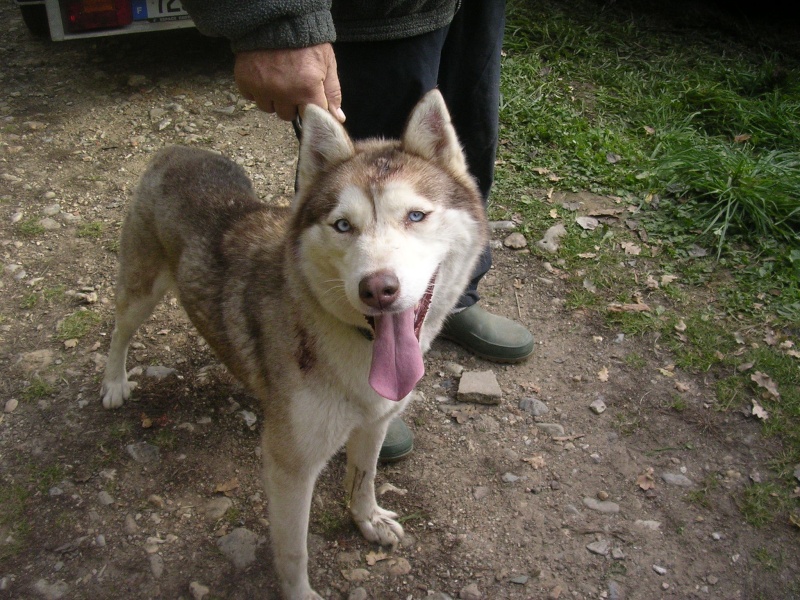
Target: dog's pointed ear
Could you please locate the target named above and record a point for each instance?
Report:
(430, 134)
(323, 143)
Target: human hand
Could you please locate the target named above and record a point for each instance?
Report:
(283, 81)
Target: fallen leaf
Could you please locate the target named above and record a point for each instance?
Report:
(227, 486)
(745, 367)
(537, 461)
(793, 353)
(681, 326)
(649, 130)
(602, 374)
(541, 170)
(739, 338)
(375, 557)
(681, 387)
(589, 286)
(666, 373)
(741, 138)
(638, 307)
(651, 283)
(758, 411)
(646, 480)
(667, 279)
(587, 255)
(612, 158)
(770, 339)
(765, 381)
(147, 422)
(631, 248)
(553, 213)
(786, 344)
(71, 343)
(388, 487)
(597, 339)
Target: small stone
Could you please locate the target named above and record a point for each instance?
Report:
(239, 546)
(553, 429)
(105, 498)
(130, 527)
(142, 452)
(534, 406)
(11, 405)
(510, 478)
(356, 575)
(137, 81)
(399, 567)
(502, 225)
(198, 590)
(605, 507)
(217, 507)
(601, 547)
(797, 472)
(598, 406)
(615, 591)
(480, 387)
(712, 580)
(515, 241)
(159, 372)
(248, 417)
(100, 540)
(659, 570)
(49, 224)
(358, 593)
(555, 593)
(677, 479)
(156, 565)
(157, 501)
(550, 241)
(716, 536)
(51, 591)
(453, 368)
(55, 491)
(470, 592)
(601, 495)
(519, 580)
(617, 554)
(480, 492)
(651, 525)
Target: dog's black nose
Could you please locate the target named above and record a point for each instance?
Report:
(379, 290)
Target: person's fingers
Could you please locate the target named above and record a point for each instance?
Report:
(333, 90)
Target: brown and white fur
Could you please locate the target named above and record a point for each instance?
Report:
(287, 298)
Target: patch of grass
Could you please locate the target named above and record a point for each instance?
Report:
(635, 361)
(330, 523)
(53, 293)
(30, 228)
(45, 478)
(766, 559)
(701, 496)
(166, 439)
(29, 301)
(38, 389)
(77, 324)
(13, 498)
(761, 503)
(112, 246)
(91, 230)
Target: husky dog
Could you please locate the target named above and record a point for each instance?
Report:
(322, 310)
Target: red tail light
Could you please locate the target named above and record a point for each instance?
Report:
(83, 15)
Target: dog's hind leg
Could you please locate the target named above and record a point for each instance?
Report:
(376, 524)
(143, 280)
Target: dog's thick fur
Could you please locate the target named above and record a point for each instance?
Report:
(289, 299)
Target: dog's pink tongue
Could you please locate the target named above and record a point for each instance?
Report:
(396, 356)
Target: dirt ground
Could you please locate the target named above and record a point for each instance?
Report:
(133, 503)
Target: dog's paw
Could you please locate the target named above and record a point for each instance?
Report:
(381, 527)
(116, 392)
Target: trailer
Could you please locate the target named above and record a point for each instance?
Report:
(71, 19)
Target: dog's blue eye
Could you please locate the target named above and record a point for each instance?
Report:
(415, 216)
(342, 225)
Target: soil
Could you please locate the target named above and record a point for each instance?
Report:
(494, 505)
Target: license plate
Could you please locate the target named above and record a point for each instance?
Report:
(158, 10)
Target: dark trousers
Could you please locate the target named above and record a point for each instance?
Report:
(382, 81)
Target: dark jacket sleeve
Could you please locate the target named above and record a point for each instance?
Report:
(261, 24)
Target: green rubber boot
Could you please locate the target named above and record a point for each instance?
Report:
(489, 336)
(398, 443)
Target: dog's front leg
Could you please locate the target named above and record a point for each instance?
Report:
(376, 524)
(289, 496)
